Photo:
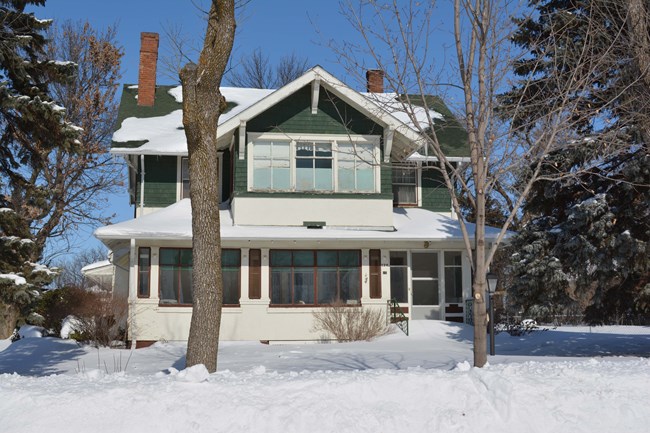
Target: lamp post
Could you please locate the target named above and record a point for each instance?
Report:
(492, 281)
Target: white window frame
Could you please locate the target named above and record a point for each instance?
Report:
(334, 139)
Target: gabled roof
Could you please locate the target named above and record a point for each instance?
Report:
(158, 130)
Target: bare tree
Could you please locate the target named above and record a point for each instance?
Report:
(202, 106)
(397, 37)
(73, 184)
(256, 71)
(70, 269)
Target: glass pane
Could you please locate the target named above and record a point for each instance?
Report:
(143, 289)
(365, 154)
(323, 174)
(303, 286)
(281, 178)
(398, 284)
(425, 292)
(323, 150)
(405, 194)
(281, 286)
(327, 258)
(349, 284)
(453, 285)
(168, 284)
(425, 265)
(345, 151)
(262, 175)
(365, 180)
(281, 150)
(186, 189)
(346, 175)
(398, 258)
(185, 169)
(230, 258)
(327, 285)
(186, 286)
(303, 258)
(169, 256)
(349, 258)
(453, 258)
(280, 258)
(304, 149)
(304, 176)
(186, 256)
(231, 286)
(262, 149)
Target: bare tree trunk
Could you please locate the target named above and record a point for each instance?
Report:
(8, 316)
(202, 106)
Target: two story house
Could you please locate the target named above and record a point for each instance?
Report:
(326, 194)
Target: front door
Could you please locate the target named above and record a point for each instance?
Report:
(425, 286)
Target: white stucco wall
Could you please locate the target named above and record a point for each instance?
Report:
(294, 211)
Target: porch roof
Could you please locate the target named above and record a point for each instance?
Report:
(175, 223)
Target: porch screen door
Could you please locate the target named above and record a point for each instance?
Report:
(425, 284)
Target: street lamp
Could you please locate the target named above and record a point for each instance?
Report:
(492, 280)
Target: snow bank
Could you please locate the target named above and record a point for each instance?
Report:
(420, 383)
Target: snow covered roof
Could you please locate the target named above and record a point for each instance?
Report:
(175, 223)
(159, 130)
(96, 266)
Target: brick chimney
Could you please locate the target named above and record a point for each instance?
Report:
(147, 73)
(375, 80)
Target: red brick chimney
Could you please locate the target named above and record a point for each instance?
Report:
(147, 73)
(375, 80)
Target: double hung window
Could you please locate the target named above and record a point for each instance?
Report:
(314, 163)
(405, 185)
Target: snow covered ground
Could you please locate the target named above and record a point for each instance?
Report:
(564, 380)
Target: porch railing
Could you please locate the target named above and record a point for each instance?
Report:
(398, 317)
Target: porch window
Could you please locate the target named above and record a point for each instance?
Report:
(399, 276)
(176, 276)
(453, 277)
(405, 186)
(307, 277)
(144, 271)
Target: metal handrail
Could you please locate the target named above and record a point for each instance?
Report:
(397, 316)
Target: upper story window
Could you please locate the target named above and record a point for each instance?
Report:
(185, 177)
(281, 162)
(405, 185)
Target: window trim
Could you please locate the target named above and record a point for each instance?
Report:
(293, 139)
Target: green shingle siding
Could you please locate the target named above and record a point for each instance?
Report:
(160, 180)
(293, 115)
(435, 196)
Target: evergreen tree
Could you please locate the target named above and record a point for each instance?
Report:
(31, 123)
(587, 249)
